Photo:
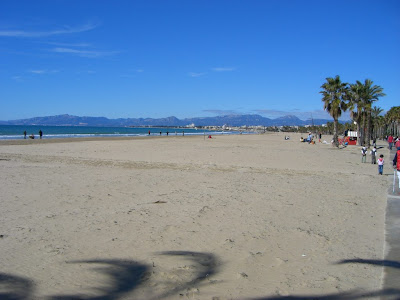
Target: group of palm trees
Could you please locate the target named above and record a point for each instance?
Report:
(358, 98)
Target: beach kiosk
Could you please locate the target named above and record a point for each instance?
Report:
(350, 138)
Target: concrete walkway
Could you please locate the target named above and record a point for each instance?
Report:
(391, 262)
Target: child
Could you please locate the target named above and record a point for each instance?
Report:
(364, 154)
(373, 156)
(381, 162)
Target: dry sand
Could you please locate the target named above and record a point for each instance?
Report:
(233, 217)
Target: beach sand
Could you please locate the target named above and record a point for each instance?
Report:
(232, 217)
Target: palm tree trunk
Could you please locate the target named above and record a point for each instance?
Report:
(368, 135)
(359, 134)
(335, 132)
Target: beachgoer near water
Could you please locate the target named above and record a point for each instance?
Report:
(149, 132)
(364, 154)
(40, 133)
(32, 136)
(381, 162)
(25, 134)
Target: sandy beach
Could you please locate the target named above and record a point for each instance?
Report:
(232, 217)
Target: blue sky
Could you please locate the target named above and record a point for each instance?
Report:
(122, 59)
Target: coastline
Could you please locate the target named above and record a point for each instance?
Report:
(260, 216)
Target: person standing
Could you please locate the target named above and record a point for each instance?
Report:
(381, 162)
(373, 156)
(390, 141)
(40, 133)
(364, 154)
(397, 144)
(25, 135)
(396, 164)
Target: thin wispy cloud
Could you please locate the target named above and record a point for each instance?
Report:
(77, 45)
(83, 53)
(39, 72)
(193, 74)
(223, 69)
(38, 34)
(303, 115)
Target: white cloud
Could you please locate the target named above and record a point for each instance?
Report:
(193, 74)
(223, 69)
(83, 53)
(39, 72)
(38, 34)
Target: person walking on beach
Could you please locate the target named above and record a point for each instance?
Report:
(373, 156)
(397, 144)
(25, 135)
(364, 154)
(381, 162)
(40, 133)
(390, 141)
(396, 164)
(149, 132)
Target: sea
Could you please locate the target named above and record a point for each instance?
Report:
(16, 132)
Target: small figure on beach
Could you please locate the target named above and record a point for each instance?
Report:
(320, 137)
(396, 164)
(167, 133)
(40, 133)
(149, 132)
(287, 138)
(25, 134)
(373, 156)
(160, 132)
(364, 154)
(390, 141)
(381, 162)
(32, 136)
(183, 133)
(397, 144)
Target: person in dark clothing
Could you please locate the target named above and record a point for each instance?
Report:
(40, 133)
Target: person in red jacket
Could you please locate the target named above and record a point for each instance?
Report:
(390, 141)
(396, 164)
(397, 144)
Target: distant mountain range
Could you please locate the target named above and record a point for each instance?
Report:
(229, 120)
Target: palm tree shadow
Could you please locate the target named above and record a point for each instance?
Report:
(354, 295)
(125, 276)
(15, 287)
(206, 266)
(376, 262)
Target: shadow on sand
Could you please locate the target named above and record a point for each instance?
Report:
(127, 275)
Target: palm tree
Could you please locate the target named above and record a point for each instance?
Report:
(355, 104)
(370, 94)
(392, 118)
(334, 97)
(375, 114)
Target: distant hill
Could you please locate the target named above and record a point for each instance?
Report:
(230, 120)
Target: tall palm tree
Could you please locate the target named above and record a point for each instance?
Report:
(375, 114)
(392, 118)
(334, 97)
(355, 105)
(371, 93)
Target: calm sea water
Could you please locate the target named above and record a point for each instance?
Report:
(15, 132)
